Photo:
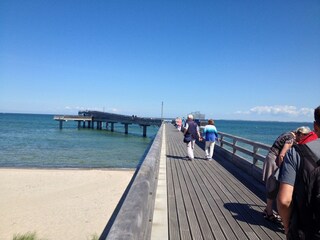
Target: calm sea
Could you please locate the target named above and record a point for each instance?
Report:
(31, 140)
(259, 131)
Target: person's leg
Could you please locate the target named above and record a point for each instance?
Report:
(190, 150)
(207, 149)
(269, 166)
(271, 196)
(268, 209)
(211, 149)
(193, 143)
(272, 191)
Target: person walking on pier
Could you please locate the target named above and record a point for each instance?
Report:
(191, 131)
(299, 191)
(210, 134)
(178, 123)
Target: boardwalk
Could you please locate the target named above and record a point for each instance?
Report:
(172, 198)
(212, 199)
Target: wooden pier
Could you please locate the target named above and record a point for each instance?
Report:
(203, 199)
(90, 118)
(77, 118)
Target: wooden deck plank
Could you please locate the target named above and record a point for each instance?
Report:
(218, 223)
(181, 213)
(251, 205)
(274, 231)
(231, 202)
(216, 188)
(190, 210)
(208, 201)
(208, 222)
(182, 220)
(226, 214)
(200, 214)
(173, 227)
(214, 201)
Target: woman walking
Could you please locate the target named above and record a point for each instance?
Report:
(210, 134)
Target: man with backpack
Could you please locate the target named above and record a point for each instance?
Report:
(299, 190)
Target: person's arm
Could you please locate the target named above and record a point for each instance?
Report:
(287, 179)
(185, 129)
(284, 200)
(204, 131)
(282, 153)
(216, 134)
(199, 135)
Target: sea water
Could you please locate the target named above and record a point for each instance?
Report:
(32, 140)
(259, 131)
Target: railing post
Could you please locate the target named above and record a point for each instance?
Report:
(255, 151)
(234, 146)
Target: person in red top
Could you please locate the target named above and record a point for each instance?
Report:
(304, 136)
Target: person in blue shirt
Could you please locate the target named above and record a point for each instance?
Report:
(210, 134)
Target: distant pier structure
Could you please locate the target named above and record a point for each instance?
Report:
(90, 119)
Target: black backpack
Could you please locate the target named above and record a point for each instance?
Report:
(305, 215)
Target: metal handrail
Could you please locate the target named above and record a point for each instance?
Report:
(244, 153)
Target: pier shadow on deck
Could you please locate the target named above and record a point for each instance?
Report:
(212, 199)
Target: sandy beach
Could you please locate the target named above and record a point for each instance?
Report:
(59, 203)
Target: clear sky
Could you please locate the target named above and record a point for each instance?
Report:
(230, 59)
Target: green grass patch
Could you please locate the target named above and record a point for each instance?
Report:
(94, 237)
(26, 236)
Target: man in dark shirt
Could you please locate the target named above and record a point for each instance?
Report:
(191, 128)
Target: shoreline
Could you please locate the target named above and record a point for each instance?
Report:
(59, 203)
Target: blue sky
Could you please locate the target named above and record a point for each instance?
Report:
(240, 59)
